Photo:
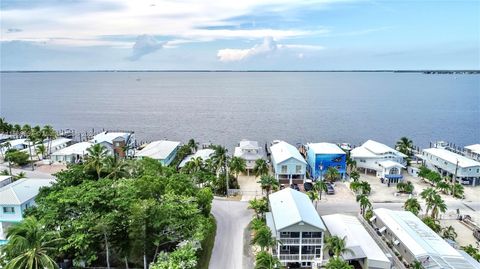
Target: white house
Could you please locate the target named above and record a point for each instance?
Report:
(5, 180)
(288, 164)
(415, 241)
(473, 151)
(297, 227)
(18, 144)
(15, 198)
(249, 151)
(205, 154)
(161, 150)
(371, 154)
(72, 154)
(116, 142)
(365, 250)
(447, 163)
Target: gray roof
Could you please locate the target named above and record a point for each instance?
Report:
(290, 207)
(22, 190)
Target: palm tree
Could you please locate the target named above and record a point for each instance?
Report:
(365, 187)
(194, 165)
(416, 265)
(364, 203)
(116, 168)
(17, 129)
(26, 130)
(337, 245)
(257, 223)
(192, 145)
(412, 205)
(265, 260)
(443, 187)
(405, 146)
(428, 194)
(313, 195)
(96, 158)
(5, 146)
(337, 263)
(320, 186)
(268, 183)
(260, 168)
(220, 160)
(41, 150)
(50, 134)
(437, 205)
(351, 165)
(20, 175)
(264, 239)
(434, 177)
(31, 246)
(457, 190)
(355, 176)
(332, 174)
(260, 206)
(432, 223)
(237, 166)
(449, 233)
(423, 172)
(405, 187)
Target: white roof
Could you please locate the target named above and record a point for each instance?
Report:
(373, 149)
(58, 142)
(421, 241)
(109, 136)
(16, 142)
(452, 157)
(325, 148)
(22, 190)
(388, 164)
(282, 151)
(247, 144)
(158, 150)
(474, 148)
(78, 148)
(202, 153)
(2, 178)
(356, 236)
(290, 207)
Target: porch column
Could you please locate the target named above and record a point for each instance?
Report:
(300, 249)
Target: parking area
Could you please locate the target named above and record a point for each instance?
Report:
(249, 187)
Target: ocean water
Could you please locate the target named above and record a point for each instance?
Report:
(225, 107)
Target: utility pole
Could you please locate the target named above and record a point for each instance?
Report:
(454, 179)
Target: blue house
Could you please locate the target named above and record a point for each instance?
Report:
(15, 198)
(288, 164)
(161, 150)
(321, 156)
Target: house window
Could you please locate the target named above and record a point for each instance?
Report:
(285, 248)
(298, 169)
(284, 168)
(8, 210)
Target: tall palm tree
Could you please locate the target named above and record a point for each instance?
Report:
(337, 263)
(443, 187)
(260, 168)
(268, 183)
(26, 130)
(265, 260)
(423, 172)
(405, 146)
(41, 150)
(320, 186)
(260, 206)
(96, 158)
(355, 175)
(264, 239)
(50, 134)
(428, 194)
(337, 245)
(192, 145)
(313, 195)
(449, 233)
(220, 160)
(332, 174)
(365, 188)
(412, 205)
(432, 223)
(4, 147)
(438, 206)
(237, 166)
(17, 129)
(457, 190)
(351, 164)
(365, 204)
(31, 246)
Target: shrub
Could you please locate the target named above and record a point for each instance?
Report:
(18, 157)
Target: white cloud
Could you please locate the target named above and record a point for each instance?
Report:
(145, 44)
(268, 46)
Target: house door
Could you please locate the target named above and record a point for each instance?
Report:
(318, 253)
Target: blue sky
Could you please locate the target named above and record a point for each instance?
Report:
(239, 35)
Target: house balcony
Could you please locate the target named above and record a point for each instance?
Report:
(305, 241)
(297, 257)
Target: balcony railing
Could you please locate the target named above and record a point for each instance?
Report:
(308, 257)
(289, 257)
(305, 241)
(289, 241)
(312, 241)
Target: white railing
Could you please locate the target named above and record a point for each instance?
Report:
(312, 241)
(290, 241)
(308, 257)
(289, 257)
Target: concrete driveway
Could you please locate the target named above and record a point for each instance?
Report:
(232, 219)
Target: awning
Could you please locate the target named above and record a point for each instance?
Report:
(373, 218)
(393, 176)
(383, 229)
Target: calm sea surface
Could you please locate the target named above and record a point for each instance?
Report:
(226, 107)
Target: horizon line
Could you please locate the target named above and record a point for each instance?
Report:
(252, 70)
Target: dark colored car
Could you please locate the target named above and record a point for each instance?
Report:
(330, 189)
(308, 186)
(295, 187)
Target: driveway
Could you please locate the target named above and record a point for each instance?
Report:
(232, 219)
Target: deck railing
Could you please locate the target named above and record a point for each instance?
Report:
(305, 241)
(289, 257)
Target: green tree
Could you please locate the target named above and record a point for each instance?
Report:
(405, 187)
(15, 156)
(320, 186)
(438, 206)
(365, 204)
(313, 196)
(257, 223)
(332, 174)
(405, 146)
(115, 168)
(50, 134)
(268, 183)
(413, 206)
(220, 160)
(183, 257)
(449, 233)
(423, 171)
(432, 223)
(17, 129)
(265, 260)
(237, 166)
(457, 190)
(428, 195)
(263, 238)
(192, 145)
(41, 150)
(96, 158)
(260, 206)
(337, 245)
(260, 168)
(472, 251)
(365, 188)
(337, 263)
(416, 265)
(443, 187)
(355, 176)
(434, 177)
(30, 246)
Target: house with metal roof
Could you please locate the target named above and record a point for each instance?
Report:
(15, 198)
(473, 151)
(205, 154)
(5, 180)
(297, 227)
(364, 251)
(71, 154)
(161, 150)
(453, 165)
(288, 164)
(321, 156)
(414, 241)
(18, 144)
(380, 160)
(120, 144)
(249, 151)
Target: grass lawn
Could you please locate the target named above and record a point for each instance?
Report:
(207, 246)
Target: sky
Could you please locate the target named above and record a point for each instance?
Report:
(239, 34)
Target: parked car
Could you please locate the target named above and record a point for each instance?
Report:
(330, 188)
(308, 186)
(282, 186)
(295, 187)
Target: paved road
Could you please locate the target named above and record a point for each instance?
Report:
(232, 219)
